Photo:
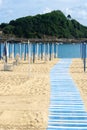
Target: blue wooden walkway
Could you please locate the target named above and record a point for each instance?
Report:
(66, 111)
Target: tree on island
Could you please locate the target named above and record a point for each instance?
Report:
(54, 24)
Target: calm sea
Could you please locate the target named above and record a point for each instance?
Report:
(69, 51)
(64, 50)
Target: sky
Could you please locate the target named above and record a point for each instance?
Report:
(13, 9)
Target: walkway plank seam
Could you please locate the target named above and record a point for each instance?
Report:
(66, 108)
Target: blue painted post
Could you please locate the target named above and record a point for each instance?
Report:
(24, 51)
(33, 52)
(2, 47)
(0, 51)
(84, 56)
(50, 51)
(29, 51)
(54, 50)
(22, 54)
(45, 51)
(8, 50)
(14, 50)
(81, 50)
(20, 50)
(5, 52)
(57, 49)
(29, 56)
(37, 51)
(42, 51)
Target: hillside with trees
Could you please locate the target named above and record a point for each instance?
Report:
(54, 24)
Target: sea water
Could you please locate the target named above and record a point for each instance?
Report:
(63, 50)
(69, 51)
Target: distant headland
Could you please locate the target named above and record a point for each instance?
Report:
(54, 26)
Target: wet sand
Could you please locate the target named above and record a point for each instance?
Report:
(24, 96)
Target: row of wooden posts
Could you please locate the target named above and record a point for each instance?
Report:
(32, 51)
(36, 51)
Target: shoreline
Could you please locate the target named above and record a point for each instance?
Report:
(38, 40)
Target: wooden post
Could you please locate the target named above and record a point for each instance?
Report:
(81, 50)
(41, 51)
(44, 52)
(37, 50)
(8, 50)
(20, 50)
(48, 51)
(0, 51)
(29, 57)
(24, 51)
(56, 50)
(52, 51)
(33, 52)
(84, 56)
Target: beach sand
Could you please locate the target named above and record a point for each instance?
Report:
(24, 96)
(80, 78)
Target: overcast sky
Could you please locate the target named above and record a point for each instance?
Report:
(13, 9)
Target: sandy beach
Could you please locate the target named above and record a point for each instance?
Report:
(24, 96)
(80, 78)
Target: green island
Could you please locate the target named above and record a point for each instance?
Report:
(54, 25)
